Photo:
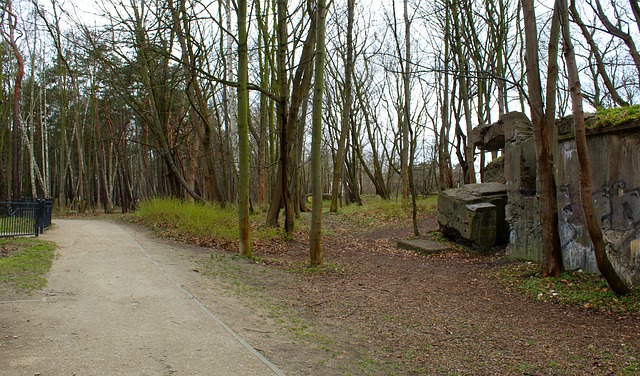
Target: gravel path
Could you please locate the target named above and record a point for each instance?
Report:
(113, 307)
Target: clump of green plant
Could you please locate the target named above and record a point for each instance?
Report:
(25, 263)
(376, 210)
(611, 117)
(203, 224)
(575, 288)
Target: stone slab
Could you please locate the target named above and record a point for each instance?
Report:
(486, 189)
(425, 246)
(480, 206)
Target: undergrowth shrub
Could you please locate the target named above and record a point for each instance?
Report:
(199, 223)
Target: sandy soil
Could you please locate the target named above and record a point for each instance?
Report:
(118, 302)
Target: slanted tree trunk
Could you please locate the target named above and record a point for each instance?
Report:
(584, 177)
(595, 50)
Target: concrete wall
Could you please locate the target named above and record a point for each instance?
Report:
(523, 209)
(615, 163)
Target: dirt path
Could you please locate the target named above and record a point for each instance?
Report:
(121, 301)
(118, 302)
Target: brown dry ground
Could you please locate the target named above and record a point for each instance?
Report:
(378, 310)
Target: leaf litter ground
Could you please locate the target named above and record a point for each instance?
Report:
(376, 309)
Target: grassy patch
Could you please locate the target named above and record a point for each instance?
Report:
(611, 117)
(25, 263)
(376, 211)
(200, 224)
(214, 225)
(575, 288)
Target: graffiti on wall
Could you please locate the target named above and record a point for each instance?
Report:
(618, 209)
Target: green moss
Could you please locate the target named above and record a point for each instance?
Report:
(611, 117)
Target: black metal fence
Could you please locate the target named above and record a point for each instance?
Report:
(25, 217)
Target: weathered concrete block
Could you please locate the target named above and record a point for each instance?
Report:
(475, 214)
(488, 137)
(482, 224)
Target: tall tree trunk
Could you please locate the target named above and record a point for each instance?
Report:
(444, 156)
(584, 177)
(280, 192)
(243, 131)
(551, 250)
(406, 108)
(315, 233)
(288, 108)
(338, 166)
(11, 39)
(264, 59)
(463, 80)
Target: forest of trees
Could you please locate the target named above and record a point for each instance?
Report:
(146, 98)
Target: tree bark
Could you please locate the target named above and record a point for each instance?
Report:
(463, 81)
(338, 166)
(551, 249)
(288, 108)
(406, 109)
(243, 131)
(584, 177)
(315, 233)
(15, 109)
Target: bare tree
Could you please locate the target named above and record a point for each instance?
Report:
(552, 252)
(243, 130)
(315, 233)
(11, 38)
(347, 99)
(586, 197)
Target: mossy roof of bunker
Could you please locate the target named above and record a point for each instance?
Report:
(603, 118)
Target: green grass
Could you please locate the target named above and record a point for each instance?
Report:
(393, 207)
(575, 288)
(212, 225)
(611, 117)
(28, 263)
(199, 223)
(378, 211)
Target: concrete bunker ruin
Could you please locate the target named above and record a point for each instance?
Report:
(615, 159)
